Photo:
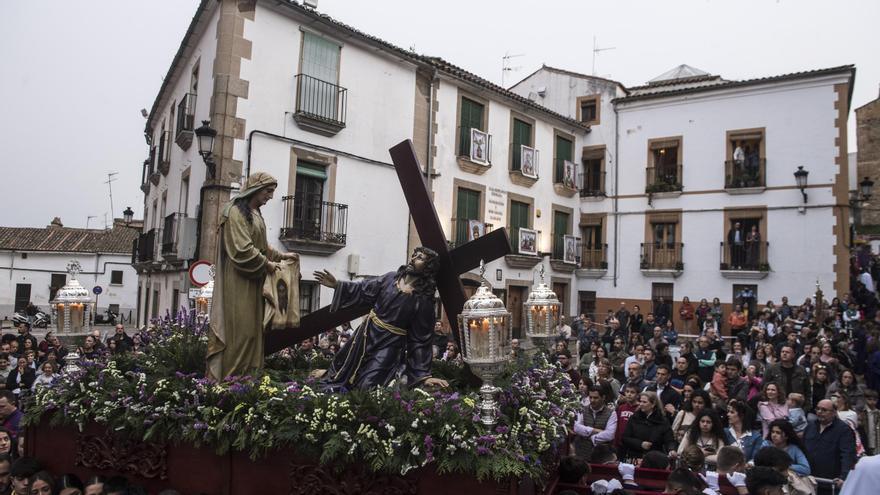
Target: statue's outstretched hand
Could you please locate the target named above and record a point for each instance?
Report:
(325, 278)
(272, 267)
(290, 256)
(436, 382)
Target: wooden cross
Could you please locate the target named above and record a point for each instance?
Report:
(452, 263)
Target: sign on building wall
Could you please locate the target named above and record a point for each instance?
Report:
(497, 202)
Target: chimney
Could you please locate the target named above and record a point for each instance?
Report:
(56, 222)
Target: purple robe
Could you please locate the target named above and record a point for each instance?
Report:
(375, 356)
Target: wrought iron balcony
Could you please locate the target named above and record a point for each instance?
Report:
(320, 105)
(663, 178)
(593, 183)
(747, 257)
(186, 120)
(594, 257)
(147, 243)
(164, 152)
(179, 237)
(312, 226)
(662, 256)
(745, 174)
(468, 229)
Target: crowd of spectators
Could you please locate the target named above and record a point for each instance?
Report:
(788, 388)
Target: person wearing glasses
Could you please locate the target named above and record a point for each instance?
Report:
(831, 445)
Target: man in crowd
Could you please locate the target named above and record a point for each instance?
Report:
(831, 445)
(649, 366)
(635, 377)
(597, 423)
(622, 316)
(20, 472)
(5, 477)
(669, 398)
(637, 356)
(788, 375)
(563, 360)
(737, 386)
(10, 414)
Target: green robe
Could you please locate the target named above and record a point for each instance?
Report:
(235, 340)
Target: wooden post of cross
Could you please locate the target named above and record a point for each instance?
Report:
(452, 263)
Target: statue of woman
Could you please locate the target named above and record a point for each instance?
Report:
(235, 340)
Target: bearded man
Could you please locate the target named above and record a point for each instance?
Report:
(394, 340)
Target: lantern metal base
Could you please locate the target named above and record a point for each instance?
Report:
(488, 406)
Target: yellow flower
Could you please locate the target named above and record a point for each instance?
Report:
(469, 402)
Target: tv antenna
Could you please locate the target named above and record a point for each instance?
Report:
(111, 177)
(89, 219)
(596, 50)
(505, 66)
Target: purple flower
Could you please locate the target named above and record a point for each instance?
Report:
(482, 450)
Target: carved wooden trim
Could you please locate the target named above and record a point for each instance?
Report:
(126, 456)
(310, 479)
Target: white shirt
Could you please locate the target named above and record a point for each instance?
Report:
(864, 478)
(866, 279)
(604, 436)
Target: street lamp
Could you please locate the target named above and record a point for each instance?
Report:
(206, 135)
(127, 215)
(865, 187)
(800, 175)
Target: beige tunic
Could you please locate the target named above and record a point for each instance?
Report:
(235, 340)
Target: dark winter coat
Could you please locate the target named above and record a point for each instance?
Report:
(644, 428)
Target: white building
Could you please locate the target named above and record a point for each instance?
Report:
(34, 266)
(318, 104)
(676, 190)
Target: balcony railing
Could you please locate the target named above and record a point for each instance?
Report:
(662, 256)
(178, 237)
(748, 173)
(749, 256)
(320, 105)
(593, 184)
(186, 120)
(147, 246)
(314, 221)
(594, 256)
(164, 152)
(468, 229)
(663, 178)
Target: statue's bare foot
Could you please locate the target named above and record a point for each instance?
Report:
(317, 373)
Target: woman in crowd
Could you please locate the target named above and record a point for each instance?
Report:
(770, 352)
(819, 384)
(94, 485)
(598, 355)
(686, 313)
(844, 409)
(772, 406)
(740, 431)
(41, 483)
(699, 399)
(701, 312)
(7, 444)
(21, 378)
(759, 357)
(782, 436)
(827, 357)
(754, 372)
(737, 351)
(707, 433)
(113, 347)
(670, 334)
(647, 429)
(70, 484)
(603, 375)
(849, 384)
(47, 376)
(717, 312)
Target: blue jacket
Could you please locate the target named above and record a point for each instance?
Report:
(751, 443)
(799, 462)
(832, 453)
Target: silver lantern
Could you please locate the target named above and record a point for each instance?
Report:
(485, 330)
(72, 305)
(542, 310)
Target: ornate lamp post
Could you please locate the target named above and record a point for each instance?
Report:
(72, 305)
(127, 215)
(541, 314)
(485, 323)
(206, 135)
(800, 176)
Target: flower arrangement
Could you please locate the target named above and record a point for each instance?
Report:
(161, 396)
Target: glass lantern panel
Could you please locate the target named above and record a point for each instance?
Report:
(77, 313)
(59, 317)
(554, 317)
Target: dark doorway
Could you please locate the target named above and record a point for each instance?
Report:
(56, 283)
(22, 296)
(515, 296)
(587, 303)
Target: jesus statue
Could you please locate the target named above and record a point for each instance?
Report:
(394, 340)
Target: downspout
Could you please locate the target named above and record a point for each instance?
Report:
(616, 190)
(429, 166)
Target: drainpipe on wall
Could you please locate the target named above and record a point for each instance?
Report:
(430, 160)
(616, 191)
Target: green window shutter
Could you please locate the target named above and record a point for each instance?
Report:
(471, 116)
(468, 209)
(563, 152)
(310, 170)
(519, 219)
(561, 225)
(522, 134)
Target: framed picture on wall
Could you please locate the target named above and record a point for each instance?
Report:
(528, 161)
(479, 146)
(476, 229)
(528, 242)
(568, 178)
(570, 252)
